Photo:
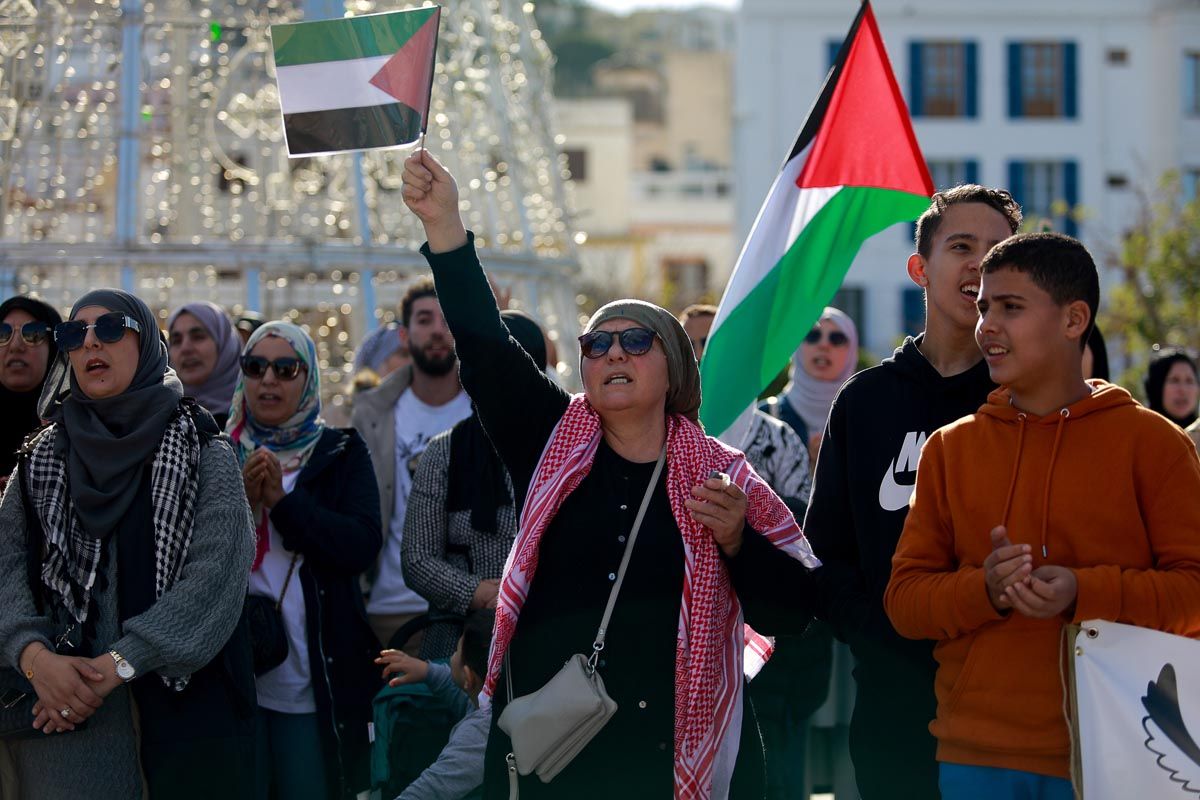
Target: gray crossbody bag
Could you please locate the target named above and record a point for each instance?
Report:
(551, 726)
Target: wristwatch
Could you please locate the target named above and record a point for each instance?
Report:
(125, 670)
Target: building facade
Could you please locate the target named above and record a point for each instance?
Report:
(1078, 107)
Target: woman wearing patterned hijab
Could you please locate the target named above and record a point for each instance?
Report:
(716, 547)
(204, 350)
(134, 503)
(313, 495)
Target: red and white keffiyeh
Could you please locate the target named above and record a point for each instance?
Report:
(709, 649)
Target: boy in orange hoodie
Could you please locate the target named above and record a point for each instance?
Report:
(1059, 501)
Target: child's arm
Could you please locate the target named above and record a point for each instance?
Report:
(1167, 597)
(930, 596)
(406, 668)
(459, 768)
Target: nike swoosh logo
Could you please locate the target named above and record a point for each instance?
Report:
(893, 496)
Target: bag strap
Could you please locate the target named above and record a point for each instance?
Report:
(287, 581)
(598, 645)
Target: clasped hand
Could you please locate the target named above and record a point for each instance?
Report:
(262, 476)
(69, 683)
(1013, 583)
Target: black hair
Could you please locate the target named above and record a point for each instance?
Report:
(421, 287)
(1156, 377)
(931, 220)
(1057, 264)
(477, 639)
(1095, 343)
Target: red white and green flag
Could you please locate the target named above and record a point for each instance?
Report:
(855, 169)
(358, 83)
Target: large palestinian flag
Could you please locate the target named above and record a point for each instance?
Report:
(854, 170)
(357, 83)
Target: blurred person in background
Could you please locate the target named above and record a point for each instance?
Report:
(247, 323)
(1173, 385)
(26, 351)
(204, 350)
(461, 518)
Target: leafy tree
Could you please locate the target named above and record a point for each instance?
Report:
(1158, 299)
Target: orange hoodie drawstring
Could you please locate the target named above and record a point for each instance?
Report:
(1062, 420)
(1012, 483)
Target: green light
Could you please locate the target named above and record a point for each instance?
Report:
(214, 31)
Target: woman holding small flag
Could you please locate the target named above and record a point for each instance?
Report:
(715, 547)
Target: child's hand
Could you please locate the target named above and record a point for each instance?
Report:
(1008, 564)
(1050, 591)
(406, 668)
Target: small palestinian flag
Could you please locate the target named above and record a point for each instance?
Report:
(854, 170)
(358, 83)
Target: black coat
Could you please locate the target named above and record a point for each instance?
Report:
(331, 517)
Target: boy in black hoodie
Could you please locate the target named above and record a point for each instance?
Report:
(865, 476)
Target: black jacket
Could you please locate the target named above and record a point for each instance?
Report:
(864, 478)
(332, 518)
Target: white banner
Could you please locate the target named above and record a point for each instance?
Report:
(1138, 698)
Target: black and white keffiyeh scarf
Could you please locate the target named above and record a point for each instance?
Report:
(72, 557)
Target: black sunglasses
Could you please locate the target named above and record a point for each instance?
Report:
(109, 329)
(836, 338)
(31, 332)
(634, 341)
(286, 369)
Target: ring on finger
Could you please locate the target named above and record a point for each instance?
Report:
(66, 712)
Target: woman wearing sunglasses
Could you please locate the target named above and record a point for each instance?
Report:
(313, 496)
(128, 513)
(204, 349)
(26, 350)
(715, 543)
(827, 357)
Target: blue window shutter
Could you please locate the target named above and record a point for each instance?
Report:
(834, 47)
(911, 230)
(971, 171)
(1071, 189)
(915, 63)
(1014, 79)
(1016, 181)
(1070, 79)
(912, 307)
(971, 76)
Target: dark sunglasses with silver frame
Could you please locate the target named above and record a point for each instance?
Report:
(836, 338)
(109, 329)
(634, 341)
(286, 369)
(34, 333)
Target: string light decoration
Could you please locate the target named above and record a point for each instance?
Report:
(181, 189)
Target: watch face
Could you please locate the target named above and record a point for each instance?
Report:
(124, 670)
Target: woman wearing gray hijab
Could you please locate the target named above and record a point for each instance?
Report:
(125, 541)
(716, 547)
(204, 351)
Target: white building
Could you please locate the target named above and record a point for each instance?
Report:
(1074, 103)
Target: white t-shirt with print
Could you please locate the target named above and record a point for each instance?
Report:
(416, 423)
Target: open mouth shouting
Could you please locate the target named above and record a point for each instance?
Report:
(970, 290)
(618, 379)
(96, 367)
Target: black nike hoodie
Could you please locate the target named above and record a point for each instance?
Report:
(864, 479)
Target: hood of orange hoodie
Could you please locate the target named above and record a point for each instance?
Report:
(1104, 397)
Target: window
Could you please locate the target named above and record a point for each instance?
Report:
(1191, 84)
(576, 164)
(913, 310)
(1190, 184)
(942, 79)
(952, 172)
(1042, 79)
(1047, 191)
(686, 280)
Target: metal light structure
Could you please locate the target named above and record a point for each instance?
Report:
(141, 146)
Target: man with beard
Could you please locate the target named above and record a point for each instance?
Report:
(397, 419)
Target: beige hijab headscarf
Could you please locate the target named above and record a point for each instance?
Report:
(683, 374)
